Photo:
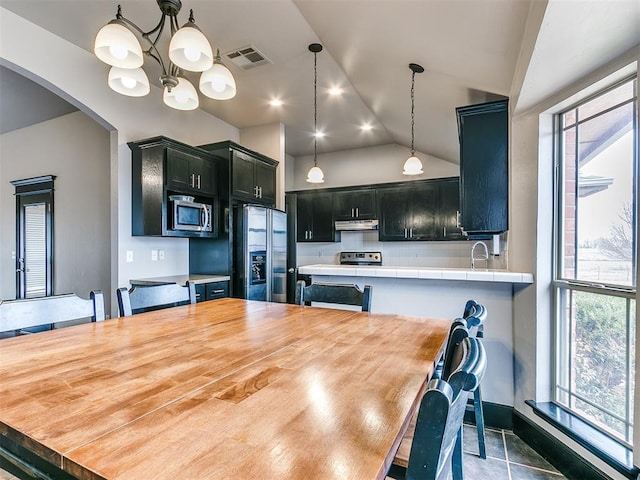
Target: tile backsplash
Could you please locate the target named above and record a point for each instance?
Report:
(400, 254)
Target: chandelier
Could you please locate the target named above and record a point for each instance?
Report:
(189, 50)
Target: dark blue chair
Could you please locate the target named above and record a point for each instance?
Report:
(155, 297)
(441, 414)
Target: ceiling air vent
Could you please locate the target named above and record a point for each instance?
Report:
(247, 57)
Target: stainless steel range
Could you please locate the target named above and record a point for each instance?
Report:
(360, 258)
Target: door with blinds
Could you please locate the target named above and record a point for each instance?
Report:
(34, 237)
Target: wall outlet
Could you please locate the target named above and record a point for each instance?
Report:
(154, 255)
(129, 256)
(13, 255)
(160, 254)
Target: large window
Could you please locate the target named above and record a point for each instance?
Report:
(595, 271)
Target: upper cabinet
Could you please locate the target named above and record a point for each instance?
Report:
(409, 212)
(314, 217)
(161, 167)
(355, 205)
(190, 173)
(484, 178)
(252, 176)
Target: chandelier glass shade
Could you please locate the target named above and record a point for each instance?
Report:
(116, 44)
(413, 165)
(315, 174)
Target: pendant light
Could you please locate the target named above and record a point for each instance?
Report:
(315, 174)
(413, 165)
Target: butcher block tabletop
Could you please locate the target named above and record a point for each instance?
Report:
(222, 389)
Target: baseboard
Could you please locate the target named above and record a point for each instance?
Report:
(495, 416)
(566, 460)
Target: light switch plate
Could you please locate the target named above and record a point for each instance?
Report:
(129, 256)
(154, 255)
(160, 254)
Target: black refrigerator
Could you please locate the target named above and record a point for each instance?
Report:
(260, 253)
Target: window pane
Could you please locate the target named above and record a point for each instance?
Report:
(596, 365)
(599, 201)
(604, 102)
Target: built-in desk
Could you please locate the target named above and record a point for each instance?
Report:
(208, 287)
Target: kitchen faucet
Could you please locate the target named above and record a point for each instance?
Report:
(484, 256)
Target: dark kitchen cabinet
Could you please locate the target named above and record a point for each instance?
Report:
(355, 204)
(449, 209)
(190, 173)
(484, 178)
(409, 212)
(211, 291)
(314, 217)
(251, 175)
(161, 167)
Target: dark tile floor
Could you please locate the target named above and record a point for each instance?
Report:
(508, 458)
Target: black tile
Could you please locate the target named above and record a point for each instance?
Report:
(493, 442)
(477, 468)
(520, 452)
(520, 472)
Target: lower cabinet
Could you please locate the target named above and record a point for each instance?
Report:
(211, 291)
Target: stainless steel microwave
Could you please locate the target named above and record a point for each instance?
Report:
(190, 216)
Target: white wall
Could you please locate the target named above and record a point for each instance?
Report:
(75, 149)
(364, 166)
(48, 59)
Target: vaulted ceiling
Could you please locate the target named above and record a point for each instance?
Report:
(472, 51)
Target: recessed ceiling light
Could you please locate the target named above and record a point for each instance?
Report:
(319, 134)
(276, 102)
(335, 91)
(366, 127)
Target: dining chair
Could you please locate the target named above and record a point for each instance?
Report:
(20, 314)
(333, 293)
(155, 297)
(440, 415)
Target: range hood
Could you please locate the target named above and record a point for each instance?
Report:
(346, 225)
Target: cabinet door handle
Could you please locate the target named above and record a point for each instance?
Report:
(405, 233)
(444, 231)
(306, 232)
(310, 234)
(198, 181)
(218, 291)
(260, 192)
(457, 218)
(353, 213)
(255, 191)
(193, 180)
(411, 233)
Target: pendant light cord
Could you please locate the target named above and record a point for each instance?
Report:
(315, 109)
(413, 83)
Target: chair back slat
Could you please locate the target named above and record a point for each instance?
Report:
(333, 293)
(33, 312)
(155, 297)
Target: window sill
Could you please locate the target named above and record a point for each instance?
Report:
(604, 447)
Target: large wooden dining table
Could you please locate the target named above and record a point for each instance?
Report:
(222, 389)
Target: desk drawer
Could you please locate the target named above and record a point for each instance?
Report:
(215, 290)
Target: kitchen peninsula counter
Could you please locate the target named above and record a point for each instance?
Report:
(424, 273)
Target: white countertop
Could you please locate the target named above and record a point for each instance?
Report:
(426, 273)
(179, 279)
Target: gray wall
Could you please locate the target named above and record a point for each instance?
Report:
(75, 149)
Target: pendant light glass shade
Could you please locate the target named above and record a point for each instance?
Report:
(181, 97)
(315, 175)
(218, 82)
(413, 166)
(132, 82)
(189, 49)
(117, 46)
